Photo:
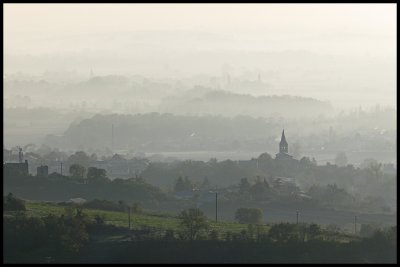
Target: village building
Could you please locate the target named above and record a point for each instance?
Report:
(16, 168)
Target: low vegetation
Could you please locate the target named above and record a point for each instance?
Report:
(55, 232)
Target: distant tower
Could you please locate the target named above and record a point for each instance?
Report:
(20, 155)
(283, 145)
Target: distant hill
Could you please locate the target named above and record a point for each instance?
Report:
(231, 104)
(155, 132)
(166, 132)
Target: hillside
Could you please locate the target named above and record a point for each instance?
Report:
(164, 132)
(225, 103)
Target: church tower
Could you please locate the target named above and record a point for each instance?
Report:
(283, 145)
(284, 150)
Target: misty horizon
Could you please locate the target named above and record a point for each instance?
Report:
(200, 133)
(296, 49)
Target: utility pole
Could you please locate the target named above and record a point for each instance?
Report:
(112, 138)
(20, 154)
(297, 217)
(355, 224)
(61, 168)
(129, 218)
(216, 206)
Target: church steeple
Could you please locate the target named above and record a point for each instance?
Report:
(283, 145)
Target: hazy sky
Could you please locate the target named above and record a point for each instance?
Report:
(343, 23)
(359, 38)
(87, 18)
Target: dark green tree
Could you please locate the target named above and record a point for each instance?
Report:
(374, 169)
(193, 221)
(81, 158)
(260, 190)
(96, 175)
(244, 186)
(283, 232)
(77, 170)
(183, 184)
(179, 185)
(249, 215)
(13, 203)
(76, 235)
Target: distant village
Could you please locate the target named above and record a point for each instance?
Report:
(119, 167)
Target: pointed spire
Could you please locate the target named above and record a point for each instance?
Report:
(283, 145)
(283, 138)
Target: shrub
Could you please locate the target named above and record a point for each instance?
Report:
(249, 215)
(12, 203)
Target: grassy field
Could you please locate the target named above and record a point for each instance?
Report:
(116, 218)
(158, 221)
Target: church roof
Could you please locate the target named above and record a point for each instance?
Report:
(283, 139)
(283, 156)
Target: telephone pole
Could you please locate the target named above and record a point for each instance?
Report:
(112, 138)
(216, 206)
(129, 218)
(61, 168)
(297, 217)
(355, 224)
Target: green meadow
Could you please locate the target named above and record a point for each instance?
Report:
(157, 221)
(121, 219)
